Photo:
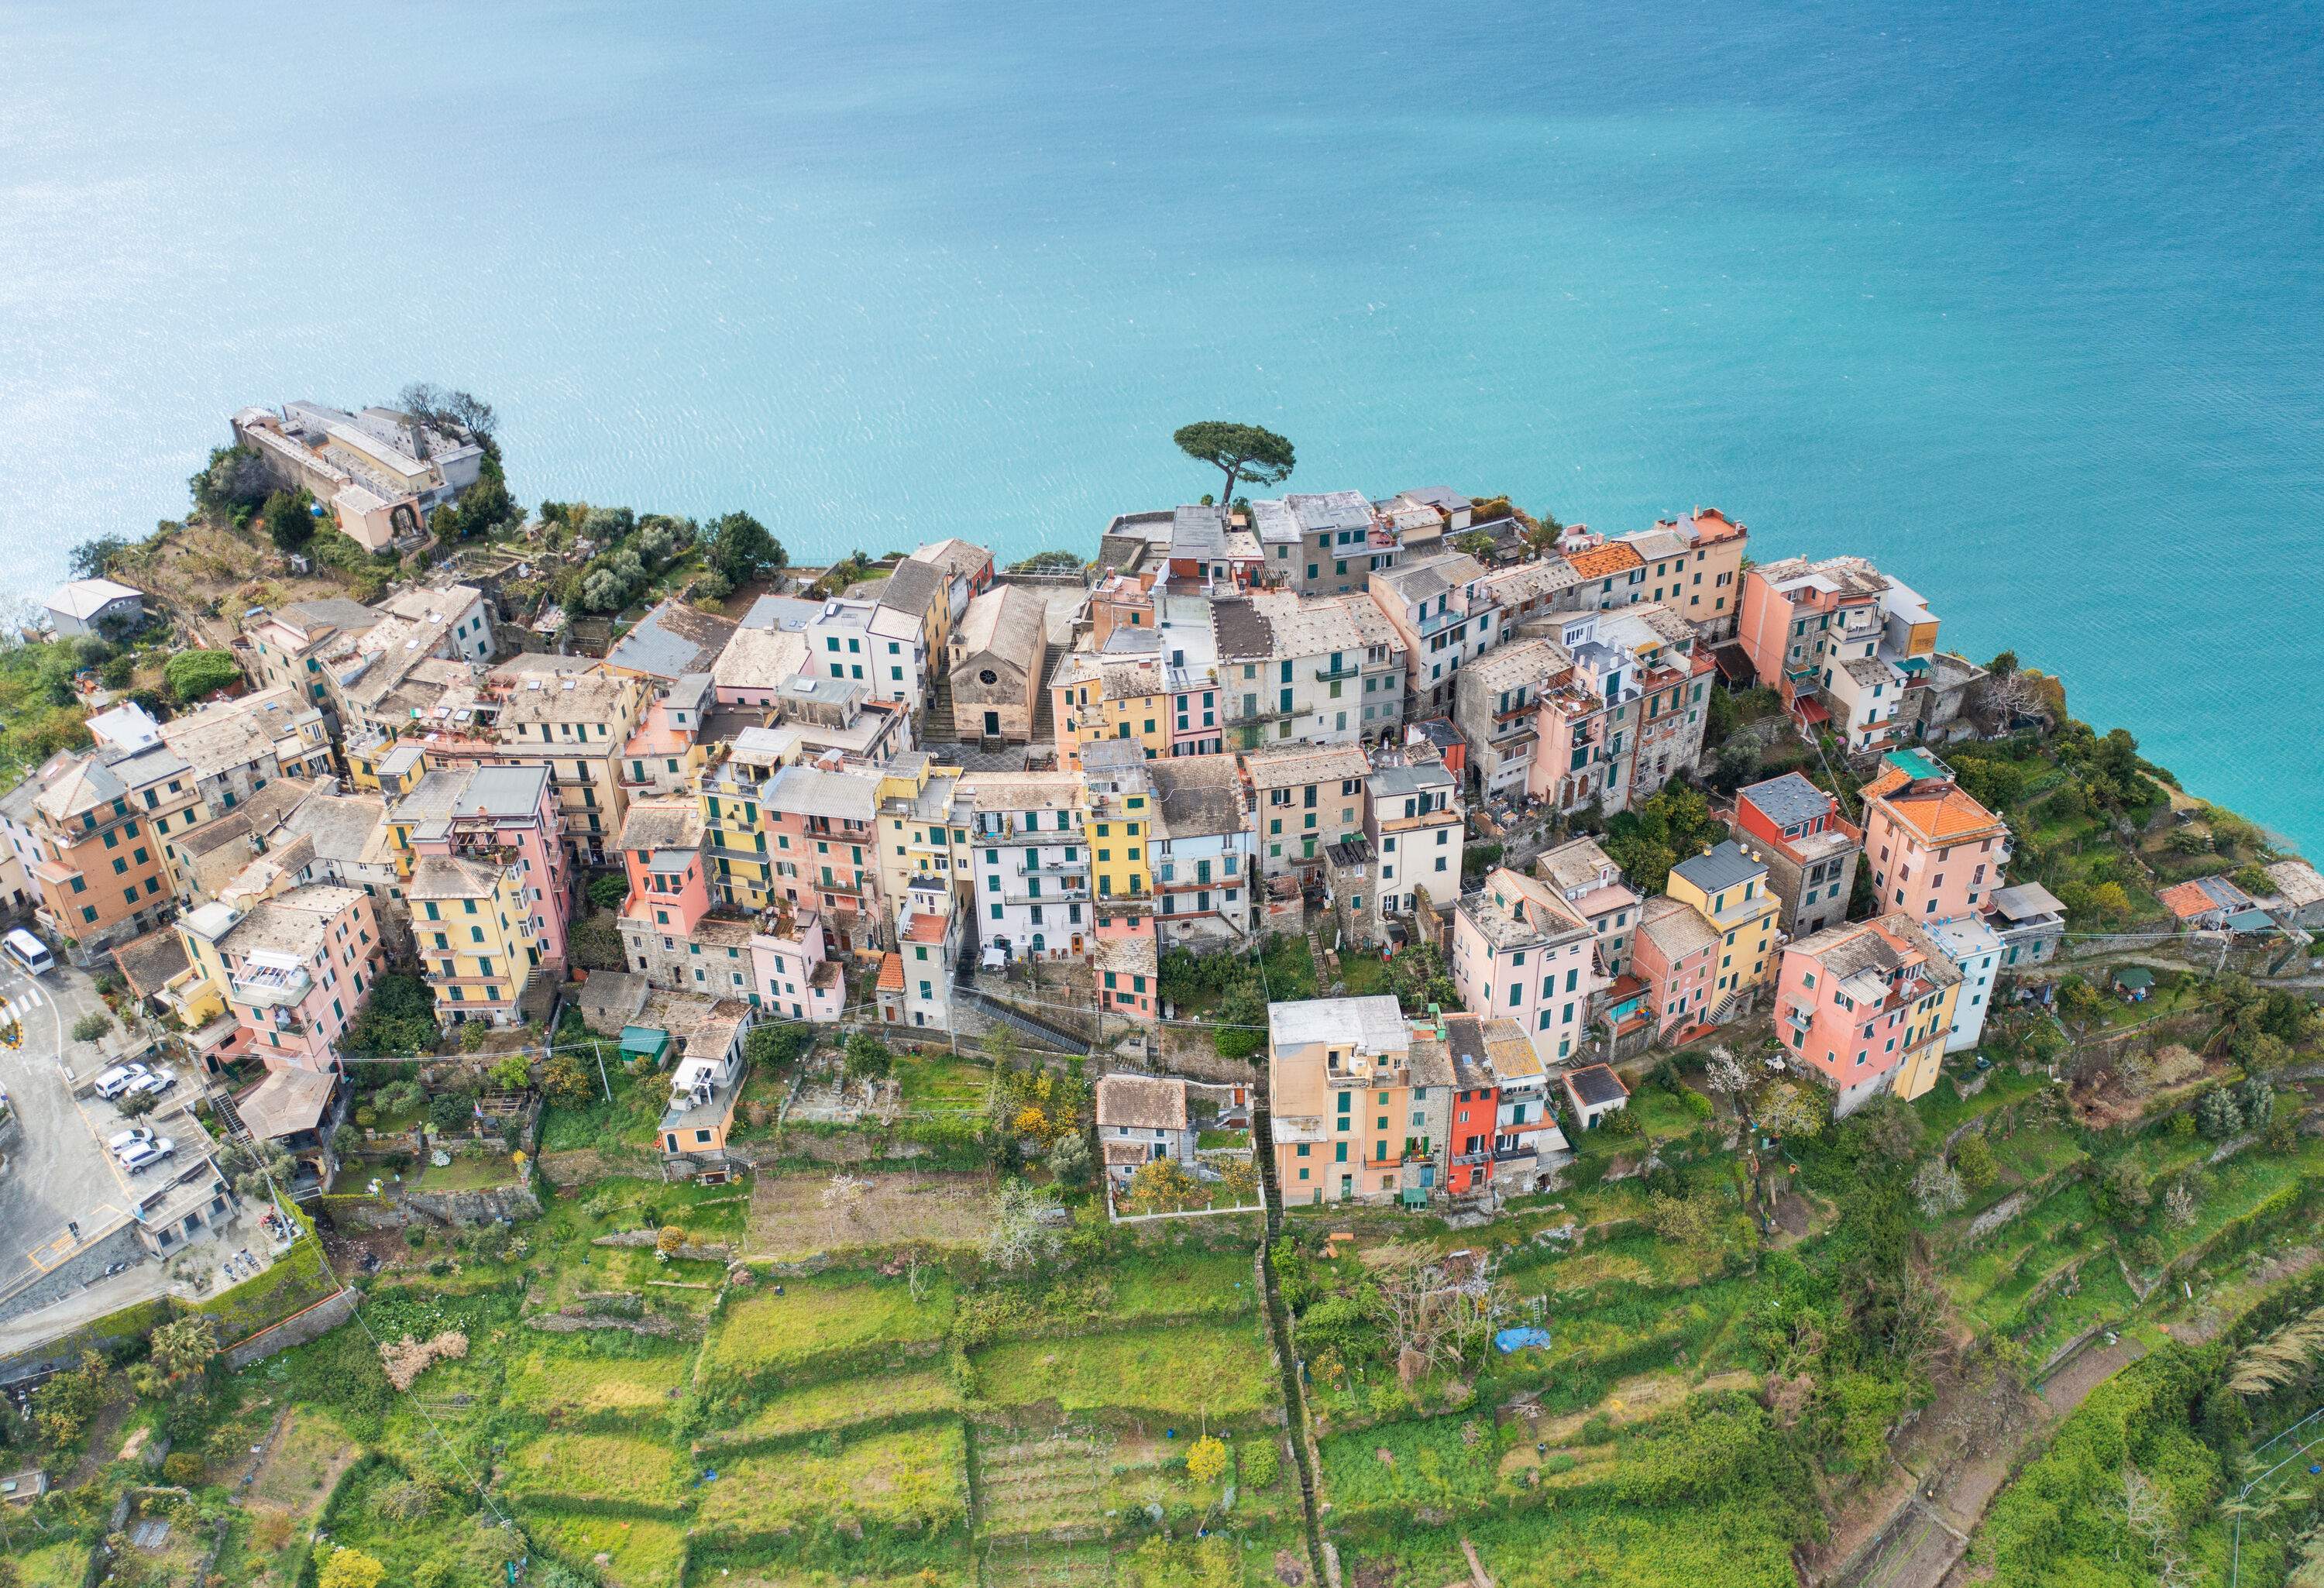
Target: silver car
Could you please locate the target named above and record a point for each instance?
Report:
(122, 1140)
(156, 1081)
(143, 1155)
(114, 1081)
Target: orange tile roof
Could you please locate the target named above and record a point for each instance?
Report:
(892, 973)
(1711, 526)
(1938, 811)
(926, 928)
(1613, 558)
(2187, 900)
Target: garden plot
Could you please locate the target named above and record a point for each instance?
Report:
(304, 1460)
(416, 1534)
(573, 1389)
(1223, 1370)
(913, 1483)
(626, 1552)
(763, 1334)
(790, 1222)
(1026, 1562)
(1450, 1463)
(1041, 1486)
(54, 1565)
(840, 1404)
(609, 1474)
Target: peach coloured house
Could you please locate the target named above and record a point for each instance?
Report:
(295, 969)
(1934, 851)
(1801, 620)
(1868, 1007)
(1675, 949)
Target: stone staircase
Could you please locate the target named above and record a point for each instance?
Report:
(939, 727)
(1045, 709)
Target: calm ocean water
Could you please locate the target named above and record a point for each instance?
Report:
(2022, 300)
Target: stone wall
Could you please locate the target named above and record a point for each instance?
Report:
(298, 1328)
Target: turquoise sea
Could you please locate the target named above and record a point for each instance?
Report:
(2023, 301)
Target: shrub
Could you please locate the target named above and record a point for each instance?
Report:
(192, 674)
(1206, 1460)
(607, 892)
(1259, 1463)
(451, 1111)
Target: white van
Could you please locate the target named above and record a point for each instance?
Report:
(27, 952)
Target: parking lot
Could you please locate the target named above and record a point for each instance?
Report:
(65, 1203)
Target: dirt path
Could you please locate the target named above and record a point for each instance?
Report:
(1914, 1531)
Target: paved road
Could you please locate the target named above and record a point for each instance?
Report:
(59, 1173)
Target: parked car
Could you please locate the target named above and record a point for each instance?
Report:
(144, 1155)
(122, 1140)
(157, 1080)
(114, 1081)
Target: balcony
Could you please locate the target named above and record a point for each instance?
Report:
(270, 983)
(1346, 669)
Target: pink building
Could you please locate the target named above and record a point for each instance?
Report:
(661, 849)
(663, 748)
(1934, 851)
(1675, 951)
(505, 815)
(1865, 1005)
(1521, 953)
(793, 973)
(295, 969)
(821, 822)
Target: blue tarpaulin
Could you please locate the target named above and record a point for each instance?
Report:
(1509, 1340)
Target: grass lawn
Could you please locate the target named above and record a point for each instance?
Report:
(1169, 1283)
(54, 1565)
(1662, 1114)
(609, 1471)
(565, 1386)
(629, 1120)
(914, 1482)
(1224, 1369)
(644, 1554)
(766, 1333)
(1365, 973)
(839, 1404)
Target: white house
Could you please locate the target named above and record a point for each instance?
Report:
(1975, 948)
(1030, 858)
(78, 607)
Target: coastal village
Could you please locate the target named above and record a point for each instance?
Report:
(1331, 1038)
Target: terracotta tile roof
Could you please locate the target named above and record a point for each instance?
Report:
(2203, 895)
(1607, 561)
(1937, 810)
(892, 973)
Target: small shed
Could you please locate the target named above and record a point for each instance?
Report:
(2134, 982)
(647, 1042)
(1595, 1090)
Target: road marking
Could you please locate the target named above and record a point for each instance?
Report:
(34, 995)
(50, 1253)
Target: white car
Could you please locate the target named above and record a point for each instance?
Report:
(114, 1081)
(156, 1081)
(122, 1140)
(144, 1155)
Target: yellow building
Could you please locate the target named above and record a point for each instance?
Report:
(470, 925)
(1106, 699)
(1728, 886)
(923, 827)
(736, 864)
(1924, 1050)
(1120, 822)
